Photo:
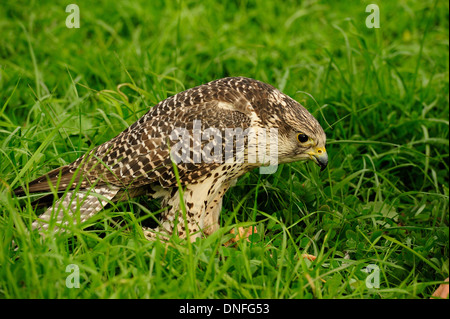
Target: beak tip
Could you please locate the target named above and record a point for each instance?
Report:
(322, 161)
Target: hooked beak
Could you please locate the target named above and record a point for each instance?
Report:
(320, 157)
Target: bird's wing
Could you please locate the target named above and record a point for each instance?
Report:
(142, 155)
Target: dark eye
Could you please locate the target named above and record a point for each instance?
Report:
(302, 138)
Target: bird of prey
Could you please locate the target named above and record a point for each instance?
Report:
(181, 146)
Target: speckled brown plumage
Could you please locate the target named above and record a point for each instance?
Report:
(138, 161)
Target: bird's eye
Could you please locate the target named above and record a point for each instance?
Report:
(302, 138)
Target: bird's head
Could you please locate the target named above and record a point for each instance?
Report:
(300, 136)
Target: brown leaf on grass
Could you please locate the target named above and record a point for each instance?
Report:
(441, 292)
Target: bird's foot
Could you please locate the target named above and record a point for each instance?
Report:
(243, 233)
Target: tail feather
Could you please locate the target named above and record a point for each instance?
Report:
(79, 199)
(87, 202)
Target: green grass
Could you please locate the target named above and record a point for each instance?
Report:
(382, 96)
